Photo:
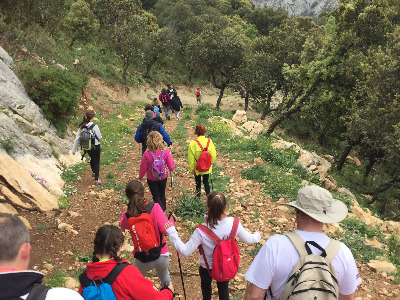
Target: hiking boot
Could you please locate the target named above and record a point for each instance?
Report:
(97, 182)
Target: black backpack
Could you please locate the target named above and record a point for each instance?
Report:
(88, 138)
(146, 128)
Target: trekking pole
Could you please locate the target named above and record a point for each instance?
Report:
(179, 262)
(212, 182)
(172, 187)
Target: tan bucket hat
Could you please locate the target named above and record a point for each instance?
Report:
(319, 204)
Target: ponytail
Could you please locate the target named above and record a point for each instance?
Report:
(216, 204)
(134, 191)
(86, 119)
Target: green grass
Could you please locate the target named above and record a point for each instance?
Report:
(191, 208)
(56, 279)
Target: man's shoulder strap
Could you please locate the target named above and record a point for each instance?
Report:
(38, 292)
(303, 249)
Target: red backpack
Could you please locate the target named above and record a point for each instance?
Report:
(198, 92)
(204, 162)
(226, 257)
(147, 246)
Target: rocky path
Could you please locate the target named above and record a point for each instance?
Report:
(62, 239)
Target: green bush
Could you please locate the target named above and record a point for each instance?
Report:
(190, 207)
(56, 91)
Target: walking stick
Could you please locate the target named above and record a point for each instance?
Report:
(179, 262)
(212, 182)
(172, 186)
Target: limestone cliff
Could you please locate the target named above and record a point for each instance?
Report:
(310, 8)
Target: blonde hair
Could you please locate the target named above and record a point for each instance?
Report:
(155, 141)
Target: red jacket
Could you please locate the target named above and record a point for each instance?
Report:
(130, 283)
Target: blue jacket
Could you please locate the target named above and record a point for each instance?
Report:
(144, 129)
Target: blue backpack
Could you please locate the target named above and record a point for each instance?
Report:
(156, 110)
(100, 289)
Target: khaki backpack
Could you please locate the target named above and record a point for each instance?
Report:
(313, 277)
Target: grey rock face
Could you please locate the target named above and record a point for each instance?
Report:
(310, 8)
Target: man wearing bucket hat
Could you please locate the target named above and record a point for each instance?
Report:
(148, 125)
(273, 265)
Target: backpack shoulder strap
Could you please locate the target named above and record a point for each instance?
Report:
(152, 155)
(298, 243)
(234, 229)
(210, 233)
(201, 147)
(91, 126)
(150, 207)
(332, 249)
(162, 154)
(208, 144)
(38, 292)
(84, 279)
(114, 273)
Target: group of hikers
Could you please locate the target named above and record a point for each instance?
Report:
(303, 264)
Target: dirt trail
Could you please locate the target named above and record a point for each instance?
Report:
(91, 207)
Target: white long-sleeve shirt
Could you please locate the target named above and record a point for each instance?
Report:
(222, 230)
(96, 132)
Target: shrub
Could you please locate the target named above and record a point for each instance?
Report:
(55, 91)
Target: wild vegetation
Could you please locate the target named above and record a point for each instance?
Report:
(332, 82)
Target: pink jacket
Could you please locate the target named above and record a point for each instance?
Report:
(159, 219)
(147, 164)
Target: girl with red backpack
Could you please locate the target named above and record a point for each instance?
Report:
(155, 162)
(225, 228)
(139, 207)
(165, 100)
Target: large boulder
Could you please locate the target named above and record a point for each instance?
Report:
(253, 128)
(239, 117)
(20, 190)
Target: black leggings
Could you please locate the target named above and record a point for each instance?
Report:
(94, 155)
(157, 189)
(197, 178)
(223, 290)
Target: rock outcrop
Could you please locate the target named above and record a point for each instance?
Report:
(310, 8)
(28, 148)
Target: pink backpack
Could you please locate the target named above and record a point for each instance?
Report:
(226, 257)
(158, 169)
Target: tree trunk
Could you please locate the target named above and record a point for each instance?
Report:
(246, 101)
(383, 188)
(345, 153)
(221, 93)
(148, 70)
(297, 108)
(191, 75)
(125, 68)
(368, 168)
(267, 107)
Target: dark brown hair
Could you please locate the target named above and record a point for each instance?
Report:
(149, 107)
(216, 204)
(200, 130)
(86, 119)
(134, 191)
(108, 240)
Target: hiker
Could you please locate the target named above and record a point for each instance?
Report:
(156, 175)
(165, 100)
(130, 283)
(148, 125)
(176, 104)
(138, 205)
(270, 270)
(16, 281)
(94, 152)
(198, 95)
(194, 153)
(156, 106)
(221, 225)
(156, 117)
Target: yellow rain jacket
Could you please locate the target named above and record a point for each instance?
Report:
(195, 151)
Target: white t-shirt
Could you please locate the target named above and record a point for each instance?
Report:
(60, 293)
(222, 230)
(278, 256)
